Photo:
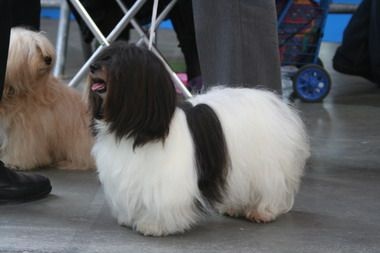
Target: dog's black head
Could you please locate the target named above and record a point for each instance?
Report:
(131, 90)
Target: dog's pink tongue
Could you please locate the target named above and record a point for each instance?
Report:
(98, 86)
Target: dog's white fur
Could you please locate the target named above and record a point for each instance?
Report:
(153, 187)
(42, 121)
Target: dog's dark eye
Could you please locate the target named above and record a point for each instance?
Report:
(94, 67)
(48, 60)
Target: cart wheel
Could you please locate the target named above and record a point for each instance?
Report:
(311, 83)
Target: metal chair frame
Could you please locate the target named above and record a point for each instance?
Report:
(128, 18)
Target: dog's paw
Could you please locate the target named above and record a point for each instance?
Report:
(149, 229)
(259, 217)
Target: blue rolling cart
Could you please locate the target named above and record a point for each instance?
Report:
(300, 30)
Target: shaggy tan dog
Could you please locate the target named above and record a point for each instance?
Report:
(43, 123)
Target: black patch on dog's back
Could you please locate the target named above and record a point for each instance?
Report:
(210, 150)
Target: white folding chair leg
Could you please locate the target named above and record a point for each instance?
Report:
(99, 36)
(89, 22)
(160, 17)
(144, 39)
(62, 36)
(164, 13)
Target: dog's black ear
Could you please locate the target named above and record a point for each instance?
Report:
(141, 97)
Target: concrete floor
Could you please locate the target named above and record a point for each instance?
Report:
(336, 210)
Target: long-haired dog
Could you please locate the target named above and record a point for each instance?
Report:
(42, 121)
(240, 151)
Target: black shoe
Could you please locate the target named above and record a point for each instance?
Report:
(21, 187)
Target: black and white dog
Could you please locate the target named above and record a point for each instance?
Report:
(240, 151)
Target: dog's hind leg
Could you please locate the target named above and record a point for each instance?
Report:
(252, 214)
(259, 216)
(76, 154)
(272, 202)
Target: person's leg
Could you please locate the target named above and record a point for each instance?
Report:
(14, 186)
(183, 24)
(237, 43)
(26, 13)
(5, 27)
(352, 56)
(374, 40)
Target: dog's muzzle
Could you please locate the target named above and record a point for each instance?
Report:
(98, 84)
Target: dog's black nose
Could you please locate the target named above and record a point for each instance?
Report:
(94, 67)
(48, 60)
